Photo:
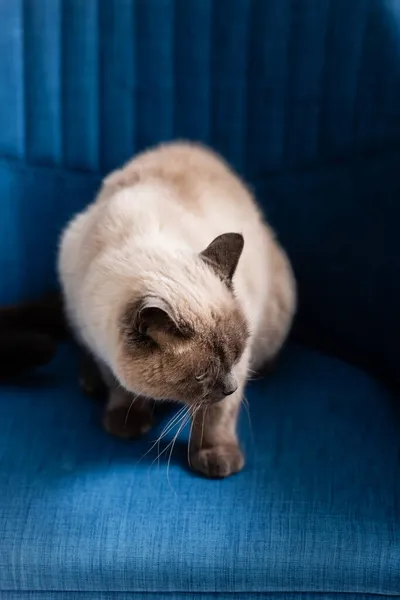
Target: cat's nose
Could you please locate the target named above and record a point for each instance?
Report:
(229, 385)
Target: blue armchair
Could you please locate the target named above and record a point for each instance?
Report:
(303, 98)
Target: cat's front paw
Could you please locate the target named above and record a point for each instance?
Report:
(127, 424)
(218, 461)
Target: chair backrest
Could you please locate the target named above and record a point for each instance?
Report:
(303, 98)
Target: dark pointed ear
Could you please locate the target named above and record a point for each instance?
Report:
(223, 255)
(156, 320)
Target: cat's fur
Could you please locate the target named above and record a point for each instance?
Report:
(159, 287)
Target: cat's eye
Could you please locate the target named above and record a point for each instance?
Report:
(201, 377)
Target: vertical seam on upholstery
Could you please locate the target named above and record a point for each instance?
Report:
(356, 97)
(246, 67)
(135, 61)
(321, 117)
(24, 75)
(288, 87)
(62, 149)
(211, 75)
(173, 68)
(246, 142)
(134, 87)
(99, 95)
(59, 134)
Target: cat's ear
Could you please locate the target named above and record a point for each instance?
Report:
(223, 255)
(156, 320)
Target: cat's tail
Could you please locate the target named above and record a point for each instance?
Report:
(44, 315)
(29, 333)
(22, 351)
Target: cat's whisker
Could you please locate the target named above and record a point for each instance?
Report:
(183, 421)
(197, 408)
(171, 423)
(202, 427)
(249, 370)
(164, 432)
(183, 416)
(130, 407)
(172, 447)
(246, 405)
(177, 423)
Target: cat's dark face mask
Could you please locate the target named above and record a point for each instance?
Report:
(161, 362)
(172, 354)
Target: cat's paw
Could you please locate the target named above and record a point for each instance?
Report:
(127, 424)
(219, 461)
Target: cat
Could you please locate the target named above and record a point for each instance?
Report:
(178, 288)
(29, 332)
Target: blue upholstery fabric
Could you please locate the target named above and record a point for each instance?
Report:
(48, 595)
(180, 596)
(303, 98)
(315, 510)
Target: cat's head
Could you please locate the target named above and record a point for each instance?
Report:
(184, 344)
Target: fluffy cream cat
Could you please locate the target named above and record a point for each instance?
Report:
(177, 287)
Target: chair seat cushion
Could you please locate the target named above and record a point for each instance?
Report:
(316, 509)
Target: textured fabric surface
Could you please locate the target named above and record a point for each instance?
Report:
(303, 98)
(271, 83)
(284, 89)
(184, 596)
(315, 510)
